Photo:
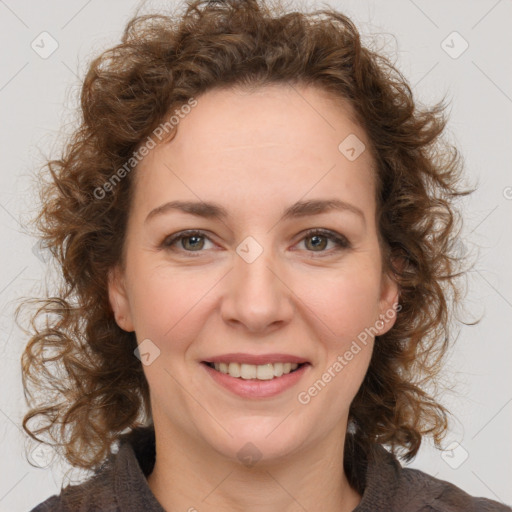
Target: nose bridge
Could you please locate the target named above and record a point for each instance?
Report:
(257, 296)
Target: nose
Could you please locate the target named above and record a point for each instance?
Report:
(257, 296)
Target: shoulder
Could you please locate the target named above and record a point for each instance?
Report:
(422, 492)
(394, 488)
(119, 484)
(95, 494)
(431, 494)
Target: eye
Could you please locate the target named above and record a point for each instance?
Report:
(321, 237)
(194, 241)
(191, 240)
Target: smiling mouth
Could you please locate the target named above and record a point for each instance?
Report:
(251, 371)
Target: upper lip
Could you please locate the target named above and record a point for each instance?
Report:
(256, 359)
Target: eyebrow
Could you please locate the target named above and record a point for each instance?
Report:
(297, 210)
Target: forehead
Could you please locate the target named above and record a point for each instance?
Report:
(276, 143)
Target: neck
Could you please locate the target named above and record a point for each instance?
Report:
(188, 476)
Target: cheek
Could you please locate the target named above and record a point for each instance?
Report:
(342, 310)
(344, 303)
(166, 303)
(170, 304)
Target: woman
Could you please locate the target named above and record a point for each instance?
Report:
(254, 225)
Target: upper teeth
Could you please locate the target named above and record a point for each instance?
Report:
(252, 371)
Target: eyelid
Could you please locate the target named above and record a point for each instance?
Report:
(341, 241)
(170, 240)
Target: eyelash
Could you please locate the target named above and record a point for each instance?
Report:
(341, 241)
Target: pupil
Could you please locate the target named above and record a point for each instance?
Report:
(194, 237)
(317, 237)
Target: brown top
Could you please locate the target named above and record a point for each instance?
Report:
(120, 485)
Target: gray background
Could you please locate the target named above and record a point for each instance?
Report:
(37, 100)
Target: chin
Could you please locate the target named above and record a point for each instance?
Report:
(257, 441)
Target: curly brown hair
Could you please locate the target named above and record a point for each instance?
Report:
(80, 376)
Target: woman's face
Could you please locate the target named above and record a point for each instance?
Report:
(253, 286)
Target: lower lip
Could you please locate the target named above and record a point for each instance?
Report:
(254, 388)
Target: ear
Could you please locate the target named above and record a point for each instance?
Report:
(118, 299)
(388, 304)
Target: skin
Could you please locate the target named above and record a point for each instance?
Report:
(255, 153)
